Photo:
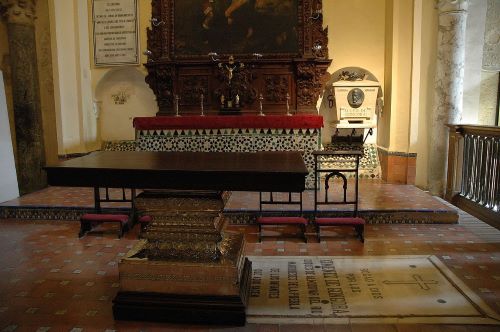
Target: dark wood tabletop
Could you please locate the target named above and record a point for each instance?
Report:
(242, 171)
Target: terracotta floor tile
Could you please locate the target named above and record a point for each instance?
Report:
(50, 278)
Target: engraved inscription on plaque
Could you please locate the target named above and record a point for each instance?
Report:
(346, 287)
(116, 38)
(354, 112)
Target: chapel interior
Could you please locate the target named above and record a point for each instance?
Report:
(142, 141)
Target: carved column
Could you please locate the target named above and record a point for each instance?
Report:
(448, 90)
(20, 15)
(311, 78)
(161, 79)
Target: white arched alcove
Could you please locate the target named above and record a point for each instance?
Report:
(121, 95)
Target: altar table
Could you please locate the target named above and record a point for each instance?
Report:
(225, 278)
(240, 171)
(232, 133)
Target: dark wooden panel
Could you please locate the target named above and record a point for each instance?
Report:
(179, 308)
(260, 171)
(173, 70)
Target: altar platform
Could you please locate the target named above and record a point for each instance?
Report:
(379, 203)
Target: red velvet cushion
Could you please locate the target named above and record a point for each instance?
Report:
(228, 121)
(340, 221)
(94, 217)
(145, 219)
(281, 220)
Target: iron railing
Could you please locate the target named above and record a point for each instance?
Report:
(474, 171)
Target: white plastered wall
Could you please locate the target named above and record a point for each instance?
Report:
(424, 66)
(415, 76)
(76, 124)
(79, 102)
(402, 40)
(8, 181)
(362, 46)
(114, 118)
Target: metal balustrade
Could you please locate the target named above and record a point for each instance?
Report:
(474, 171)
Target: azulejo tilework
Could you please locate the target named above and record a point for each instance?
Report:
(369, 165)
(378, 217)
(379, 203)
(234, 218)
(234, 140)
(44, 213)
(119, 146)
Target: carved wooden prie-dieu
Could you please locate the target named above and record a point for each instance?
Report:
(175, 67)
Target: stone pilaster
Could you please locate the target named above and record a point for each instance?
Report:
(20, 15)
(448, 87)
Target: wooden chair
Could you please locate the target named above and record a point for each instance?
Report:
(267, 218)
(89, 221)
(330, 174)
(144, 221)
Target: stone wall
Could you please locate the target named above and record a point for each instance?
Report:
(491, 66)
(45, 76)
(491, 55)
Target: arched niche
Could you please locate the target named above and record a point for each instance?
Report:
(120, 95)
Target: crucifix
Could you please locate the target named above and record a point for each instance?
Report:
(424, 284)
(230, 67)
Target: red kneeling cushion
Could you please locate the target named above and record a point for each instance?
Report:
(145, 219)
(340, 221)
(282, 220)
(95, 217)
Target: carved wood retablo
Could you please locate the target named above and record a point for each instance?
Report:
(289, 35)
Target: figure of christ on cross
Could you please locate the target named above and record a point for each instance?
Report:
(231, 66)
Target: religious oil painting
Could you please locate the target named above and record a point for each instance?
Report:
(235, 27)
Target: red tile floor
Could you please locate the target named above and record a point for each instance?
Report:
(373, 195)
(52, 281)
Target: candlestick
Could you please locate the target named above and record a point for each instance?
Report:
(288, 105)
(202, 97)
(177, 105)
(261, 98)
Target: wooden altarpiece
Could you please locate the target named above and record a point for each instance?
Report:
(288, 34)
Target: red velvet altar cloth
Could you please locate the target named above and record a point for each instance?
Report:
(229, 121)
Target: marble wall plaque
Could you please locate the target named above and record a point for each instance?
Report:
(116, 37)
(356, 106)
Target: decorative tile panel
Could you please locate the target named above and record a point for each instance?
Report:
(234, 140)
